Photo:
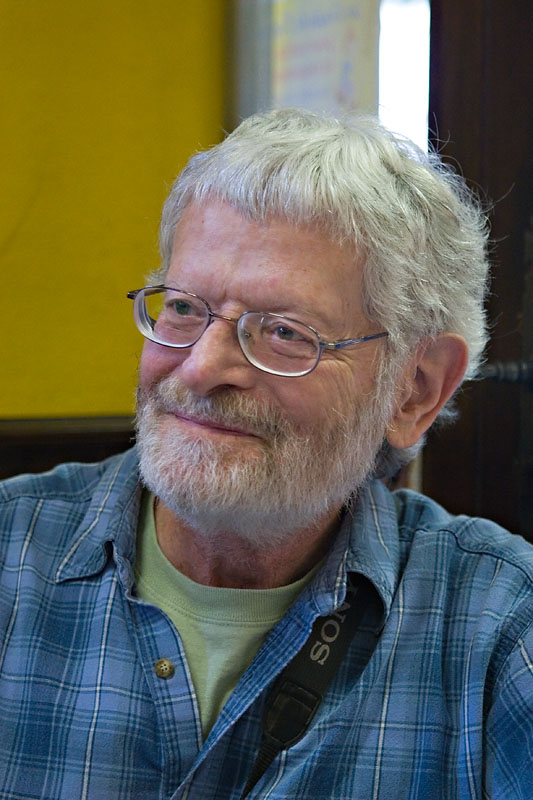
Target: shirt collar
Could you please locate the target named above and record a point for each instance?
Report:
(367, 543)
(111, 519)
(374, 547)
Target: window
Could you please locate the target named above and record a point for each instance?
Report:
(404, 67)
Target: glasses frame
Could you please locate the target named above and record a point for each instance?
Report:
(142, 321)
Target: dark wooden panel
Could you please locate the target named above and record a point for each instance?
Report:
(481, 97)
(35, 445)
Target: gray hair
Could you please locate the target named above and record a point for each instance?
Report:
(419, 233)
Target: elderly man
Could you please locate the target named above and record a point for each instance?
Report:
(238, 607)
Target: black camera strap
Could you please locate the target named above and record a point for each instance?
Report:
(297, 693)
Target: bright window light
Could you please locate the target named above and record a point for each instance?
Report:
(404, 68)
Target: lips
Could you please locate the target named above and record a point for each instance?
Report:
(213, 425)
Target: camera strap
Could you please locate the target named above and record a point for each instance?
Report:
(297, 693)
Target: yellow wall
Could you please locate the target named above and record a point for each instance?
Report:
(102, 103)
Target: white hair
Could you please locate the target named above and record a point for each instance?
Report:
(419, 233)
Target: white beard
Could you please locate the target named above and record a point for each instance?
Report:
(261, 490)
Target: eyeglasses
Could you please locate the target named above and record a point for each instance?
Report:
(272, 343)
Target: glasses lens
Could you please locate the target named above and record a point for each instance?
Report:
(277, 344)
(176, 318)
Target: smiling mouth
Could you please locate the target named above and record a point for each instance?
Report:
(213, 426)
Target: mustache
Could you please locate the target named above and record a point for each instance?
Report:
(226, 407)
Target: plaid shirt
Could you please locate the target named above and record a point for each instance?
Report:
(443, 709)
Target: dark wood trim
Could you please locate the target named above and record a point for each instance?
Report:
(35, 445)
(481, 96)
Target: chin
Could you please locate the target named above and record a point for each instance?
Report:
(260, 488)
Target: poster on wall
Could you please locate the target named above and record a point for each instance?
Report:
(307, 53)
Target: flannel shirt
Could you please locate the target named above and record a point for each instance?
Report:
(443, 708)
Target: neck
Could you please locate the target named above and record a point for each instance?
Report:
(225, 559)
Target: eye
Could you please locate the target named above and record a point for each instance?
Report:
(285, 333)
(284, 336)
(181, 307)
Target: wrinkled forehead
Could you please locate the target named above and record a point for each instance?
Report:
(220, 250)
(287, 209)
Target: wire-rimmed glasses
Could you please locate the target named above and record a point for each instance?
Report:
(271, 342)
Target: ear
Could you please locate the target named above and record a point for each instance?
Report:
(430, 378)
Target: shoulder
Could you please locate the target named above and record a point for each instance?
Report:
(66, 481)
(477, 578)
(477, 573)
(422, 519)
(67, 485)
(44, 511)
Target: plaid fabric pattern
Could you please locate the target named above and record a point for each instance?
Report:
(443, 709)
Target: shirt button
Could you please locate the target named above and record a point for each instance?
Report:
(164, 668)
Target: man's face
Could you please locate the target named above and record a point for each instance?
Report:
(226, 445)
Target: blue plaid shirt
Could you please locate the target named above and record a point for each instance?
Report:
(443, 709)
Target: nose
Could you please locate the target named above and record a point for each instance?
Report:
(216, 361)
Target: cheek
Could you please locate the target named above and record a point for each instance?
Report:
(156, 363)
(310, 402)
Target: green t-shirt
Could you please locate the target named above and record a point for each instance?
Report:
(221, 629)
